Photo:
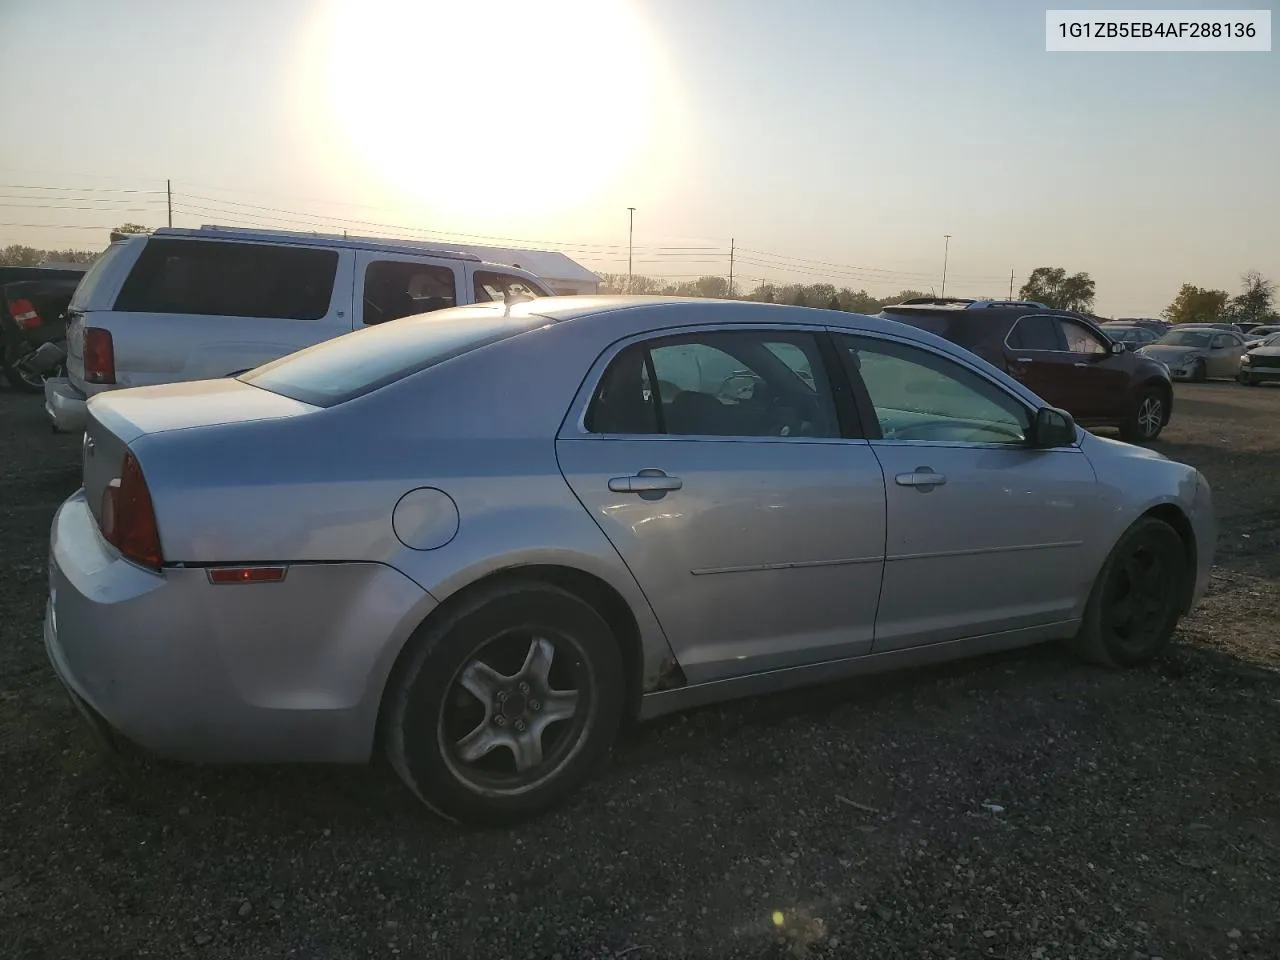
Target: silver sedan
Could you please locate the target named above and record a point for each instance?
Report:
(481, 539)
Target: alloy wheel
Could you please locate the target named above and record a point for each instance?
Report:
(1137, 599)
(1150, 416)
(515, 713)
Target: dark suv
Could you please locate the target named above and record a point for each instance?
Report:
(1064, 357)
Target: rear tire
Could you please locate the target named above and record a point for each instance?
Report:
(1147, 418)
(1137, 599)
(503, 707)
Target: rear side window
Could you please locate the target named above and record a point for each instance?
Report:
(353, 365)
(218, 278)
(402, 288)
(1036, 333)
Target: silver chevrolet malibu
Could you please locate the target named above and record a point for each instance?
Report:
(481, 539)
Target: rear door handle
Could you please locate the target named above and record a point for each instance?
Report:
(1081, 363)
(920, 477)
(1024, 359)
(646, 481)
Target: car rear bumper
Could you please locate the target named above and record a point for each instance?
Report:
(64, 405)
(274, 672)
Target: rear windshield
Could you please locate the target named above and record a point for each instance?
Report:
(90, 282)
(355, 364)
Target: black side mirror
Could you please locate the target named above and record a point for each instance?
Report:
(1118, 347)
(1052, 428)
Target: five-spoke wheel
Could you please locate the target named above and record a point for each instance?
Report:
(504, 702)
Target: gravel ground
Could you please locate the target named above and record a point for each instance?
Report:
(1017, 806)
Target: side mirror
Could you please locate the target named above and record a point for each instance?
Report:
(1119, 347)
(1052, 428)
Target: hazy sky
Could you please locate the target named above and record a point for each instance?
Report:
(851, 133)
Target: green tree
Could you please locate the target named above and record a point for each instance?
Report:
(1054, 287)
(711, 287)
(833, 302)
(1195, 305)
(131, 228)
(799, 298)
(18, 255)
(1255, 302)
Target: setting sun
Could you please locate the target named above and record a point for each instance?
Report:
(506, 108)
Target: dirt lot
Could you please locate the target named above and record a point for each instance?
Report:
(1019, 806)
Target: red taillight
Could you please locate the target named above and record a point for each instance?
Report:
(99, 356)
(128, 519)
(24, 314)
(246, 574)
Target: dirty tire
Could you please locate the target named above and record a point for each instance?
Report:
(1137, 599)
(427, 690)
(1147, 416)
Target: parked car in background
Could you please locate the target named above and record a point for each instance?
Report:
(479, 540)
(183, 304)
(1153, 324)
(1133, 335)
(1261, 362)
(1256, 335)
(1195, 352)
(1060, 355)
(32, 301)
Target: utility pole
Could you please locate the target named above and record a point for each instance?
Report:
(1010, 284)
(946, 250)
(631, 230)
(168, 189)
(731, 245)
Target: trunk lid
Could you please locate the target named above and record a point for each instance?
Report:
(118, 418)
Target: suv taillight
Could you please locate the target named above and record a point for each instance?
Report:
(99, 356)
(24, 313)
(128, 519)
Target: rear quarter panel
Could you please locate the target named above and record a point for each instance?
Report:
(323, 487)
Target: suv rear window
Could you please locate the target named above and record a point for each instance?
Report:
(89, 283)
(218, 278)
(355, 364)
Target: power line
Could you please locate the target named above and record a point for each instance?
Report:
(20, 186)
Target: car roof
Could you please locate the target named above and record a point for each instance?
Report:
(415, 248)
(600, 308)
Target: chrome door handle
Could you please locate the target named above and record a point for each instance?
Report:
(1024, 359)
(920, 477)
(1081, 363)
(646, 481)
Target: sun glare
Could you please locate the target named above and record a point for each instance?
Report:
(504, 107)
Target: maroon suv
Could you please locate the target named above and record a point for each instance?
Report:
(1064, 357)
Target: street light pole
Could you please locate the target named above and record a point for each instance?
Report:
(946, 250)
(631, 229)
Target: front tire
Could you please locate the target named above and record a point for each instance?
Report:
(504, 706)
(1147, 418)
(1200, 373)
(1137, 599)
(1245, 380)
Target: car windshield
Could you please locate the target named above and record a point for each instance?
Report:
(1188, 338)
